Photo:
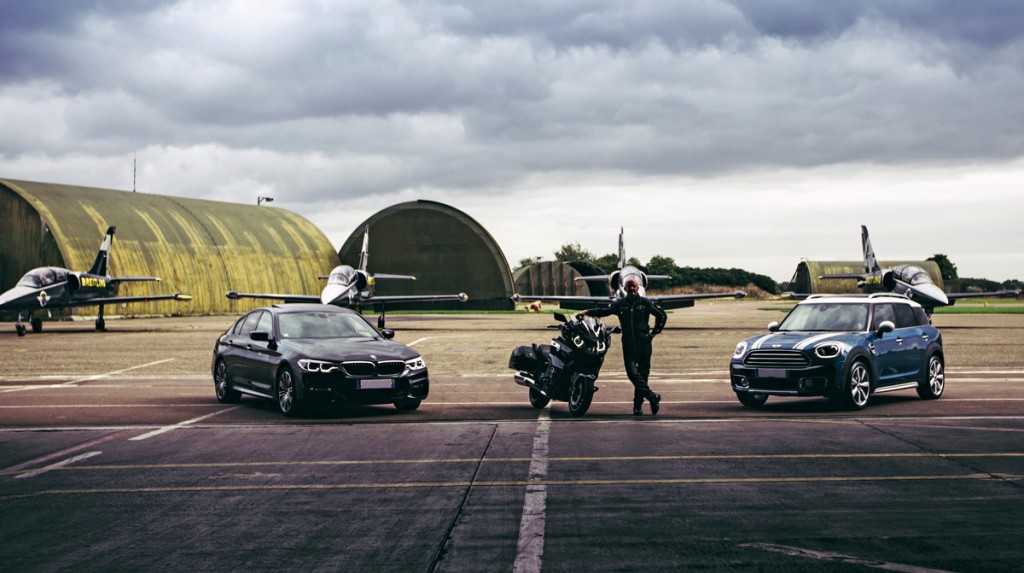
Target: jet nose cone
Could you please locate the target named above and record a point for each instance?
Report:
(932, 292)
(336, 294)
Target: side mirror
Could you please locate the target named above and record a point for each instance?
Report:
(616, 330)
(387, 333)
(886, 326)
(259, 336)
(773, 326)
(559, 317)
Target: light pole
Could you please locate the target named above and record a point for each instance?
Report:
(263, 199)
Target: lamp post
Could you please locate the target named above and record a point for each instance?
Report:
(262, 199)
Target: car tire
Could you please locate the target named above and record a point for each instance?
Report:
(538, 400)
(225, 393)
(284, 390)
(934, 382)
(407, 405)
(752, 399)
(857, 387)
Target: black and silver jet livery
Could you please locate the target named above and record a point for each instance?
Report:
(616, 282)
(49, 288)
(910, 280)
(353, 287)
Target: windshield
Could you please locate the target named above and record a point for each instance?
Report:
(827, 317)
(42, 277)
(324, 325)
(342, 276)
(915, 275)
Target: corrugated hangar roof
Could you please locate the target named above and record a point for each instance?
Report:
(443, 247)
(197, 246)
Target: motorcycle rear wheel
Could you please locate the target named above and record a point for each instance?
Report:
(538, 400)
(581, 392)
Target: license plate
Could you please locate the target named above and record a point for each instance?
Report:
(376, 384)
(771, 373)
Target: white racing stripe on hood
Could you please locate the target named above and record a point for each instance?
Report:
(757, 343)
(814, 340)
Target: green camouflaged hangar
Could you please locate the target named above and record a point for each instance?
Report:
(805, 279)
(202, 247)
(445, 249)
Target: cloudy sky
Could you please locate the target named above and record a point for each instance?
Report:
(721, 133)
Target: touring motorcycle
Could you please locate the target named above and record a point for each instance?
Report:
(566, 369)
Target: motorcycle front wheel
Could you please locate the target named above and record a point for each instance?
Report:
(581, 392)
(538, 400)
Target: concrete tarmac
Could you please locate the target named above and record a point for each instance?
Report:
(114, 455)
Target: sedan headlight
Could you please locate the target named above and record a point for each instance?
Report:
(417, 363)
(317, 365)
(741, 349)
(828, 350)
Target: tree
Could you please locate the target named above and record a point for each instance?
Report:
(946, 267)
(570, 252)
(528, 261)
(659, 265)
(607, 263)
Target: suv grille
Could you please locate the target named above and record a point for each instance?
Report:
(777, 359)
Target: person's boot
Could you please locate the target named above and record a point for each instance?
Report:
(638, 404)
(655, 400)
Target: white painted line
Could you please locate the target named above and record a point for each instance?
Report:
(166, 429)
(64, 452)
(530, 547)
(93, 377)
(59, 464)
(417, 341)
(840, 558)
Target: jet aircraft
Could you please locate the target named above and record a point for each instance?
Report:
(616, 282)
(353, 287)
(52, 288)
(909, 280)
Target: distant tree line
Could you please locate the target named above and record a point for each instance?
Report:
(660, 265)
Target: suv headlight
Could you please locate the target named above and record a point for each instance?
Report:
(317, 365)
(741, 349)
(828, 350)
(416, 363)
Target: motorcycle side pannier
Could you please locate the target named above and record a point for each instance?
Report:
(523, 358)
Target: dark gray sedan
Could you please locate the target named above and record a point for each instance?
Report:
(296, 354)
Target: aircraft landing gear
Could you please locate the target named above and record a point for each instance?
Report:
(37, 324)
(100, 323)
(19, 327)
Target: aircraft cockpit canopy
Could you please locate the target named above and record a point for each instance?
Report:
(43, 277)
(343, 275)
(914, 275)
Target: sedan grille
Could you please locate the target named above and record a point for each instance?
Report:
(364, 368)
(777, 359)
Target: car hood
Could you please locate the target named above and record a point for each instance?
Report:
(356, 349)
(800, 340)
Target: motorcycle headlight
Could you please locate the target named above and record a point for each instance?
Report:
(741, 349)
(417, 363)
(317, 365)
(828, 350)
(601, 346)
(578, 341)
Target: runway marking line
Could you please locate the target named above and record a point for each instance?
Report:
(166, 429)
(58, 465)
(530, 545)
(64, 452)
(93, 377)
(537, 472)
(567, 483)
(839, 558)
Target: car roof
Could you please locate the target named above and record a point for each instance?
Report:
(858, 298)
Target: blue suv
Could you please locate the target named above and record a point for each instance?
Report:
(842, 347)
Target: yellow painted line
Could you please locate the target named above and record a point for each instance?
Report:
(465, 484)
(119, 467)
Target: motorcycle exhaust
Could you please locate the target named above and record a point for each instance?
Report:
(524, 380)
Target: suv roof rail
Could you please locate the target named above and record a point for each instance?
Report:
(884, 294)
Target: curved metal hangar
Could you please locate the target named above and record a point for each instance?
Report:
(296, 354)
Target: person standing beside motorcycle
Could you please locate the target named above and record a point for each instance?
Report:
(634, 312)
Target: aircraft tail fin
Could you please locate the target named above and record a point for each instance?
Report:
(870, 262)
(622, 249)
(364, 255)
(99, 266)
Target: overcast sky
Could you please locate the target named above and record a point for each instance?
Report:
(720, 133)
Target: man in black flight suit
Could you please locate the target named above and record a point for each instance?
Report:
(634, 312)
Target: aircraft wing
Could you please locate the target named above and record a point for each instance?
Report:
(994, 294)
(133, 279)
(461, 297)
(390, 277)
(235, 295)
(686, 300)
(566, 302)
(180, 296)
